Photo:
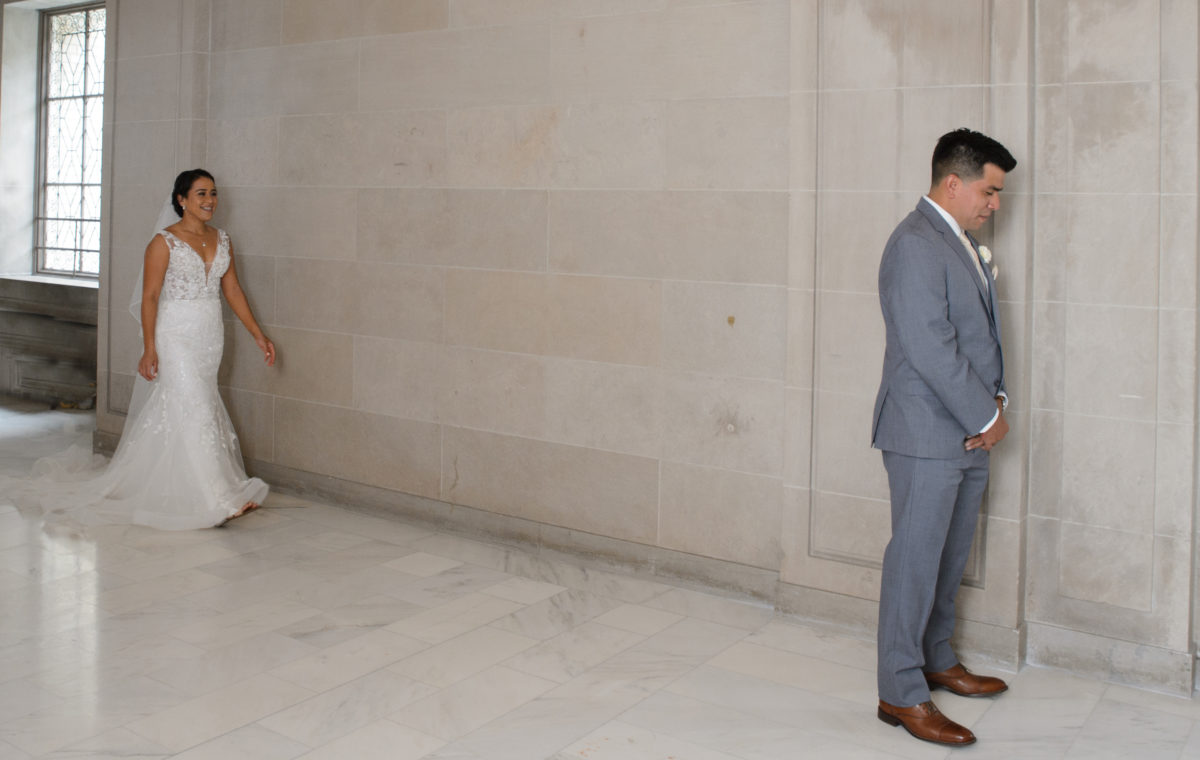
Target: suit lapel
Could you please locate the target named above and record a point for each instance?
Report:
(956, 247)
(989, 294)
(965, 257)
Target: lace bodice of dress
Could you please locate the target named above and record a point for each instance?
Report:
(185, 279)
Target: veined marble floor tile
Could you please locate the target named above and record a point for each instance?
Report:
(473, 702)
(620, 741)
(84, 672)
(381, 740)
(452, 661)
(809, 711)
(1116, 730)
(449, 585)
(139, 594)
(219, 712)
(1192, 748)
(10, 581)
(1050, 709)
(117, 744)
(313, 631)
(524, 591)
(255, 590)
(330, 540)
(814, 642)
(173, 559)
(243, 623)
(337, 712)
(371, 553)
(218, 668)
(637, 618)
(453, 752)
(60, 725)
(248, 565)
(35, 655)
(349, 660)
(801, 671)
(561, 570)
(574, 652)
(744, 734)
(454, 618)
(251, 742)
(422, 565)
(558, 614)
(320, 631)
(368, 582)
(37, 563)
(26, 696)
(1167, 703)
(373, 611)
(544, 726)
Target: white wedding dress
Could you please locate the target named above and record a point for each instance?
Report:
(178, 465)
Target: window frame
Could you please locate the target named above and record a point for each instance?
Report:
(41, 157)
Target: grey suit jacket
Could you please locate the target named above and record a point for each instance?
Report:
(943, 365)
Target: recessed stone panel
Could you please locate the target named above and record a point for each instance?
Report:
(1112, 361)
(1107, 566)
(1109, 473)
(849, 529)
(844, 460)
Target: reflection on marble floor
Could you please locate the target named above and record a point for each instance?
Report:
(310, 631)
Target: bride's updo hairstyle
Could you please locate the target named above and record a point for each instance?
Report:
(183, 186)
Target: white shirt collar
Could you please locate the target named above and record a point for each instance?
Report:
(958, 231)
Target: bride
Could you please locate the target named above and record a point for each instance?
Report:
(178, 465)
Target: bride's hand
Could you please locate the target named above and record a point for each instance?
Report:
(148, 365)
(268, 349)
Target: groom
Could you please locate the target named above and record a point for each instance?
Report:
(939, 411)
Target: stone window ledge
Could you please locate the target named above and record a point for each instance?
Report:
(64, 298)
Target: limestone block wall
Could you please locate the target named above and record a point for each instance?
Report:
(609, 267)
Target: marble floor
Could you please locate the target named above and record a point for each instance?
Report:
(310, 631)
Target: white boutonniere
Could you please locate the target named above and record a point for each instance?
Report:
(985, 254)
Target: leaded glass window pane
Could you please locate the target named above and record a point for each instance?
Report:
(72, 142)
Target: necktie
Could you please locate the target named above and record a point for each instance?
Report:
(974, 258)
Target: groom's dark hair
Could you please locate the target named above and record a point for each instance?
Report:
(183, 186)
(964, 152)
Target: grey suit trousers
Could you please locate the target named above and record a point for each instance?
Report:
(935, 508)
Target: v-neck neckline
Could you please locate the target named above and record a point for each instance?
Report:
(208, 265)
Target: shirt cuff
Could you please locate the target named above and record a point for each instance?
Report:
(988, 426)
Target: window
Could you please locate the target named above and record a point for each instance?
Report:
(67, 228)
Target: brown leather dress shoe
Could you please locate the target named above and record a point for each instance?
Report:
(964, 683)
(926, 722)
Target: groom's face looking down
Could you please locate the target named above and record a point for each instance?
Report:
(970, 200)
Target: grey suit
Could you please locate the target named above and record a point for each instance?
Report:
(942, 371)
